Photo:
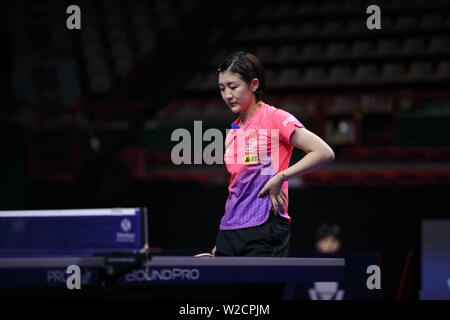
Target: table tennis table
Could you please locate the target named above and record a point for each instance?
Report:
(132, 265)
(52, 271)
(164, 276)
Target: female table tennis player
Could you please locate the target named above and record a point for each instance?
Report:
(258, 149)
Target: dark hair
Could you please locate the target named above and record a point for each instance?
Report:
(248, 67)
(326, 230)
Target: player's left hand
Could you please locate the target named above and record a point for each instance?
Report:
(274, 188)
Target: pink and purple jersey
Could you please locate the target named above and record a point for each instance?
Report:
(254, 153)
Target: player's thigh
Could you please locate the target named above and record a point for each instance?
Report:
(224, 245)
(281, 236)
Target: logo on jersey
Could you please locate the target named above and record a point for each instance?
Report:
(251, 159)
(288, 119)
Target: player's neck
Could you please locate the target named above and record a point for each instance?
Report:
(245, 115)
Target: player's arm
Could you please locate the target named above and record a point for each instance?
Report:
(318, 153)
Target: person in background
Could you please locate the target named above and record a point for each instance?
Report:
(328, 238)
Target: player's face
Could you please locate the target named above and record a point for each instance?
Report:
(236, 93)
(329, 245)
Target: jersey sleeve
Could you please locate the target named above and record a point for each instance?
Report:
(286, 123)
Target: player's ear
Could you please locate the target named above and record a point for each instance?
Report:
(254, 84)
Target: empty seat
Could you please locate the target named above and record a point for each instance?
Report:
(123, 65)
(163, 7)
(438, 4)
(356, 26)
(217, 111)
(283, 31)
(315, 74)
(100, 82)
(388, 46)
(114, 20)
(271, 76)
(46, 164)
(140, 6)
(336, 49)
(219, 55)
(351, 5)
(261, 32)
(333, 27)
(413, 44)
(439, 43)
(316, 178)
(433, 20)
(420, 3)
(309, 29)
(385, 154)
(306, 8)
(438, 177)
(275, 78)
(409, 177)
(311, 51)
(89, 20)
(387, 23)
(140, 19)
(406, 22)
(93, 50)
(265, 11)
(443, 69)
(361, 48)
(245, 33)
(117, 34)
(110, 110)
(420, 69)
(418, 154)
(339, 73)
(188, 112)
(399, 4)
(377, 178)
(283, 10)
(85, 4)
(329, 6)
(120, 49)
(159, 158)
(442, 154)
(393, 71)
(265, 53)
(293, 107)
(194, 82)
(110, 6)
(144, 34)
(89, 35)
(208, 81)
(135, 159)
(344, 178)
(287, 52)
(366, 72)
(96, 65)
(353, 154)
(289, 76)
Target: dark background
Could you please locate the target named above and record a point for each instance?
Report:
(86, 115)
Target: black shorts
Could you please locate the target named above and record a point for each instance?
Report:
(270, 239)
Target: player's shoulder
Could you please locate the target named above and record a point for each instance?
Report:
(276, 113)
(269, 108)
(274, 109)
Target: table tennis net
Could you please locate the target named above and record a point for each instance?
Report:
(83, 231)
